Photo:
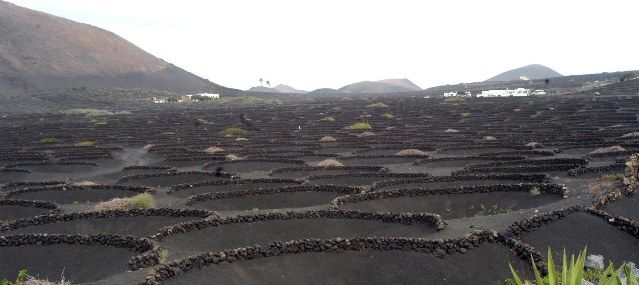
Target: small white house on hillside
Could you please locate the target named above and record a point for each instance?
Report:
(519, 92)
(210, 95)
(455, 94)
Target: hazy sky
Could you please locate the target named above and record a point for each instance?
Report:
(331, 43)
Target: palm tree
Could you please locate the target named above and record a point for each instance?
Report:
(268, 82)
(261, 80)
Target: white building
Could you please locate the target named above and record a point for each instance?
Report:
(158, 100)
(455, 94)
(505, 93)
(210, 95)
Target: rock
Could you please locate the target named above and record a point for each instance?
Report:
(595, 262)
(586, 282)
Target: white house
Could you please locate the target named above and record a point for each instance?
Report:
(505, 93)
(455, 94)
(210, 95)
(158, 100)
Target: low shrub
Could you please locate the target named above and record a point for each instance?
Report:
(613, 176)
(22, 275)
(233, 132)
(535, 191)
(377, 106)
(331, 162)
(84, 144)
(25, 279)
(232, 157)
(388, 116)
(84, 183)
(328, 119)
(212, 150)
(611, 149)
(140, 201)
(143, 201)
(359, 126)
(534, 145)
(48, 140)
(411, 152)
(327, 139)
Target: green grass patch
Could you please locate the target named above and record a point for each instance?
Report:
(377, 106)
(48, 140)
(143, 201)
(328, 119)
(359, 126)
(233, 132)
(84, 144)
(535, 191)
(22, 276)
(612, 176)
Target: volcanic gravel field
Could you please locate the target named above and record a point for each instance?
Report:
(434, 192)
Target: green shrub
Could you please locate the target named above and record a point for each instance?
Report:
(233, 132)
(84, 143)
(22, 275)
(388, 116)
(48, 140)
(535, 191)
(613, 176)
(328, 119)
(359, 126)
(572, 273)
(143, 201)
(377, 105)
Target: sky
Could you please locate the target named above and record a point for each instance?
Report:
(332, 43)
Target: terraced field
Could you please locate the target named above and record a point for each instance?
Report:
(429, 192)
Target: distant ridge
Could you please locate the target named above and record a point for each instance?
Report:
(381, 86)
(45, 51)
(281, 88)
(529, 72)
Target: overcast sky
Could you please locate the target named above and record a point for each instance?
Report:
(331, 43)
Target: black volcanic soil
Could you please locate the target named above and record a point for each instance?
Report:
(579, 230)
(531, 135)
(71, 196)
(626, 207)
(184, 193)
(262, 233)
(135, 226)
(12, 212)
(452, 206)
(269, 201)
(79, 263)
(487, 264)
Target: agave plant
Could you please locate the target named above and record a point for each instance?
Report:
(573, 273)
